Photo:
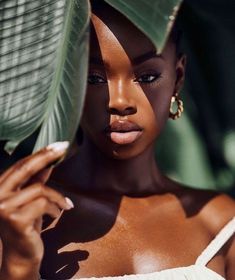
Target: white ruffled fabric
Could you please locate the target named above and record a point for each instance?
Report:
(193, 272)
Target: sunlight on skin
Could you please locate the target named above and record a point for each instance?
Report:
(144, 263)
(67, 247)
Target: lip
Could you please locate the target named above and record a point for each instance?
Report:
(123, 132)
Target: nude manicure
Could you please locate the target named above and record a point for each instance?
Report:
(58, 146)
(69, 203)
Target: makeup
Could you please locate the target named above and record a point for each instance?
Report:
(123, 132)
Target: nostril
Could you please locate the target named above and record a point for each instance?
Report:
(130, 110)
(112, 111)
(122, 111)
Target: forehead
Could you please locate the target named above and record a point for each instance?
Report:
(110, 27)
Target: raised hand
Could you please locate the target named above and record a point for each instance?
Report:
(24, 199)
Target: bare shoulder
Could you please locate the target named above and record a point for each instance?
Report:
(214, 209)
(218, 211)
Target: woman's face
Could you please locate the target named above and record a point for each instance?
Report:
(129, 87)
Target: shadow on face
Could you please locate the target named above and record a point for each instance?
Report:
(127, 82)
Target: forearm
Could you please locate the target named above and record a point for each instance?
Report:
(19, 269)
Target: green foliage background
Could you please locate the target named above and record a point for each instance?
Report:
(199, 149)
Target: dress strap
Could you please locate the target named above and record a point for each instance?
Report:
(217, 243)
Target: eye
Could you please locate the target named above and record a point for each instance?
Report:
(147, 78)
(95, 79)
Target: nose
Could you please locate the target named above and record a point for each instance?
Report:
(121, 101)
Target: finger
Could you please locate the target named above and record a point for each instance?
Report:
(4, 174)
(38, 224)
(30, 215)
(23, 170)
(37, 208)
(42, 176)
(31, 193)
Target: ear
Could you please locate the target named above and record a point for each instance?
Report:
(180, 73)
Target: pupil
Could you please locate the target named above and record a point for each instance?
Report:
(95, 79)
(147, 78)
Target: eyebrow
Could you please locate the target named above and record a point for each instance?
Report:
(146, 56)
(136, 60)
(97, 60)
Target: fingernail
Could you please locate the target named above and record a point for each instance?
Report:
(69, 203)
(58, 146)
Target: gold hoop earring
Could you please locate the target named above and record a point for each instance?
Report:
(180, 107)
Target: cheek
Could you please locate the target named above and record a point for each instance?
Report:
(147, 114)
(95, 115)
(159, 98)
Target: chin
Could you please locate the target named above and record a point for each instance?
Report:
(123, 152)
(116, 151)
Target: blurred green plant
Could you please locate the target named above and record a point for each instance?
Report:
(201, 151)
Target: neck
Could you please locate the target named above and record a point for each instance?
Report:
(98, 173)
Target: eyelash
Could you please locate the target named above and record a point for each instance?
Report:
(96, 76)
(99, 79)
(155, 78)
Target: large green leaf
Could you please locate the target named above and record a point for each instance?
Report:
(153, 17)
(43, 68)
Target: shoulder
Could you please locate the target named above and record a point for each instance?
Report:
(213, 208)
(218, 211)
(215, 215)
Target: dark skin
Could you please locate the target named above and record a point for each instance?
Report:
(128, 217)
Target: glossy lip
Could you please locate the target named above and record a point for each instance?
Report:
(122, 126)
(123, 132)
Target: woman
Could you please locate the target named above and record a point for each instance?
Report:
(126, 218)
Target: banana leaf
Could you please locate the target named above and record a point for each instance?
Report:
(43, 69)
(153, 18)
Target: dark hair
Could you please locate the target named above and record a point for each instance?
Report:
(97, 4)
(176, 36)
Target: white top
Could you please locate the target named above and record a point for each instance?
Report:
(197, 271)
